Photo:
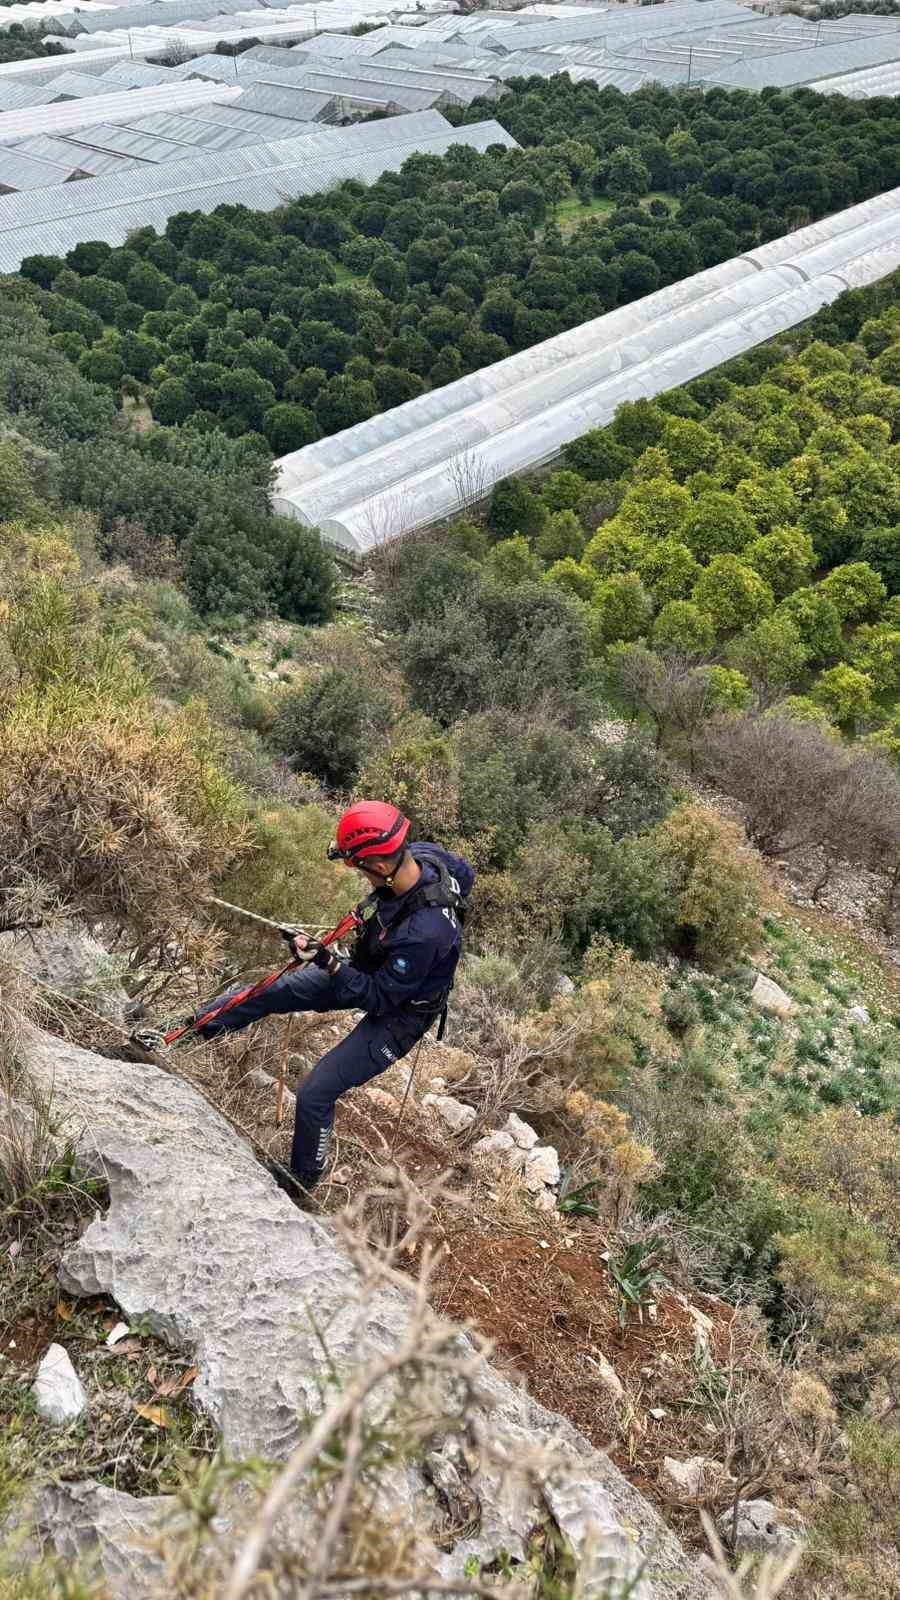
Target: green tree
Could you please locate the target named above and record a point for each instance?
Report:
(325, 726)
(514, 508)
(562, 536)
(102, 364)
(343, 402)
(716, 526)
(623, 607)
(597, 456)
(616, 548)
(626, 175)
(845, 694)
(727, 689)
(689, 446)
(656, 507)
(681, 625)
(876, 652)
(769, 500)
(855, 590)
(512, 561)
(573, 578)
(520, 198)
(785, 558)
(880, 548)
(771, 655)
(669, 569)
(172, 403)
(17, 499)
(304, 576)
(732, 594)
(563, 491)
(289, 427)
(816, 620)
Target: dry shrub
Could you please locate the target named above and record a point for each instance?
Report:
(851, 1160)
(109, 815)
(623, 1162)
(341, 647)
(613, 1021)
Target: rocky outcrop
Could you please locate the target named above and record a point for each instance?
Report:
(200, 1243)
(72, 962)
(115, 1532)
(769, 997)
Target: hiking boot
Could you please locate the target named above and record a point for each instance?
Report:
(298, 1186)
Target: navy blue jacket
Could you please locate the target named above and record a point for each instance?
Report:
(421, 952)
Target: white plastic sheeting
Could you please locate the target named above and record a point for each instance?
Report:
(424, 460)
(118, 106)
(863, 85)
(262, 177)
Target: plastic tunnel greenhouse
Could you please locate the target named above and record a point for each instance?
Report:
(430, 457)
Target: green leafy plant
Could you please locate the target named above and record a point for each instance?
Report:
(636, 1276)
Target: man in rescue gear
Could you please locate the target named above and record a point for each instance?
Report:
(399, 973)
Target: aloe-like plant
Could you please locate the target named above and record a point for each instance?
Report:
(635, 1276)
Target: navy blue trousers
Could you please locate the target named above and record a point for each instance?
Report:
(374, 1045)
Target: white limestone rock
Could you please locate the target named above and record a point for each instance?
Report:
(524, 1136)
(457, 1116)
(609, 1553)
(859, 1015)
(72, 961)
(608, 1375)
(58, 1395)
(493, 1144)
(769, 997)
(689, 1479)
(201, 1244)
(764, 1529)
(541, 1167)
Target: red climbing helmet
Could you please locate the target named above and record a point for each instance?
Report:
(369, 828)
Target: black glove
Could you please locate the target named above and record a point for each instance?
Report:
(311, 952)
(325, 958)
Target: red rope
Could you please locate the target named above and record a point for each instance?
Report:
(345, 926)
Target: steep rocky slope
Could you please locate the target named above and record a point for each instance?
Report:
(199, 1244)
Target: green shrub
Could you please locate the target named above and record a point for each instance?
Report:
(324, 726)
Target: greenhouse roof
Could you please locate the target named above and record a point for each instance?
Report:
(883, 80)
(119, 106)
(53, 221)
(21, 172)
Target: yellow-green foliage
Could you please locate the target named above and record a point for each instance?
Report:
(841, 1265)
(842, 1275)
(614, 1019)
(850, 1160)
(717, 883)
(285, 874)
